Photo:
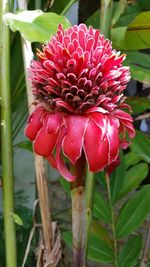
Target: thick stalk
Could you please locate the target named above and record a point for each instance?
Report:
(112, 220)
(78, 226)
(42, 185)
(105, 17)
(78, 214)
(89, 195)
(6, 142)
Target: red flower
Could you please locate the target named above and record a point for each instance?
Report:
(78, 83)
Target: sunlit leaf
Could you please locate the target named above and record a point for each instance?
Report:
(17, 219)
(35, 26)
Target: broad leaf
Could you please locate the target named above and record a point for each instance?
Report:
(133, 213)
(101, 209)
(119, 10)
(98, 229)
(67, 237)
(130, 252)
(118, 37)
(99, 251)
(65, 184)
(35, 26)
(138, 32)
(116, 180)
(17, 219)
(130, 159)
(129, 14)
(138, 104)
(133, 177)
(135, 36)
(140, 68)
(141, 145)
(27, 145)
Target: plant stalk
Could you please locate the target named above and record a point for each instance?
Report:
(89, 196)
(42, 185)
(106, 17)
(78, 214)
(112, 220)
(6, 142)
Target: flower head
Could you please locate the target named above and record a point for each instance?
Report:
(78, 82)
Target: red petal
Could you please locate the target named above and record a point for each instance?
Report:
(73, 141)
(60, 163)
(96, 148)
(96, 109)
(45, 142)
(129, 127)
(113, 139)
(34, 123)
(52, 161)
(54, 122)
(122, 115)
(100, 121)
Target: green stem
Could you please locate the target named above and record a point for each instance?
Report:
(67, 7)
(89, 195)
(37, 4)
(6, 143)
(105, 17)
(112, 220)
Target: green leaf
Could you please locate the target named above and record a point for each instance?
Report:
(131, 158)
(101, 208)
(130, 13)
(138, 104)
(130, 252)
(133, 177)
(139, 66)
(35, 26)
(27, 145)
(67, 237)
(94, 20)
(119, 10)
(138, 32)
(116, 180)
(17, 219)
(65, 184)
(144, 5)
(141, 145)
(99, 251)
(133, 213)
(118, 37)
(98, 229)
(100, 177)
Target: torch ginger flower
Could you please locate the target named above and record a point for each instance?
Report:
(78, 83)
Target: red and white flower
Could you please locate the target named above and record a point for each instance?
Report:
(78, 83)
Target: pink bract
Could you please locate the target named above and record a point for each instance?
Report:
(78, 83)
